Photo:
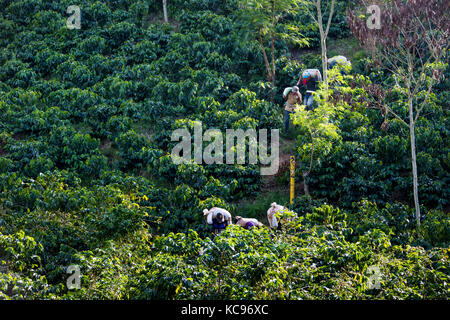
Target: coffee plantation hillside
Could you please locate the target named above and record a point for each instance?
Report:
(87, 177)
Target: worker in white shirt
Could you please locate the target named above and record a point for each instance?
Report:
(274, 208)
(218, 218)
(248, 223)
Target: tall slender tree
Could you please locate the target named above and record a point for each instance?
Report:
(166, 18)
(412, 42)
(260, 19)
(314, 10)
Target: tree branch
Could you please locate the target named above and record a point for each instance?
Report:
(330, 17)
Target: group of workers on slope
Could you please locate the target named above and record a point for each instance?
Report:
(309, 79)
(219, 219)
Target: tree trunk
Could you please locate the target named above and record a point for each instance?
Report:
(166, 19)
(325, 63)
(266, 60)
(323, 42)
(413, 159)
(273, 68)
(272, 36)
(273, 58)
(323, 38)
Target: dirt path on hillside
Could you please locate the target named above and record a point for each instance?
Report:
(284, 158)
(287, 149)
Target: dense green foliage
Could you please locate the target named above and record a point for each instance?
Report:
(86, 175)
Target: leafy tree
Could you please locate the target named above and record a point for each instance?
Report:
(412, 43)
(261, 18)
(319, 126)
(316, 5)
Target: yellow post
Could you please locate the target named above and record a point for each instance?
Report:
(292, 180)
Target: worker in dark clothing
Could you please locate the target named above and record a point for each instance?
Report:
(310, 79)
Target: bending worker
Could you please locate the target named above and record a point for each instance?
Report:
(339, 60)
(248, 223)
(274, 208)
(293, 99)
(217, 218)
